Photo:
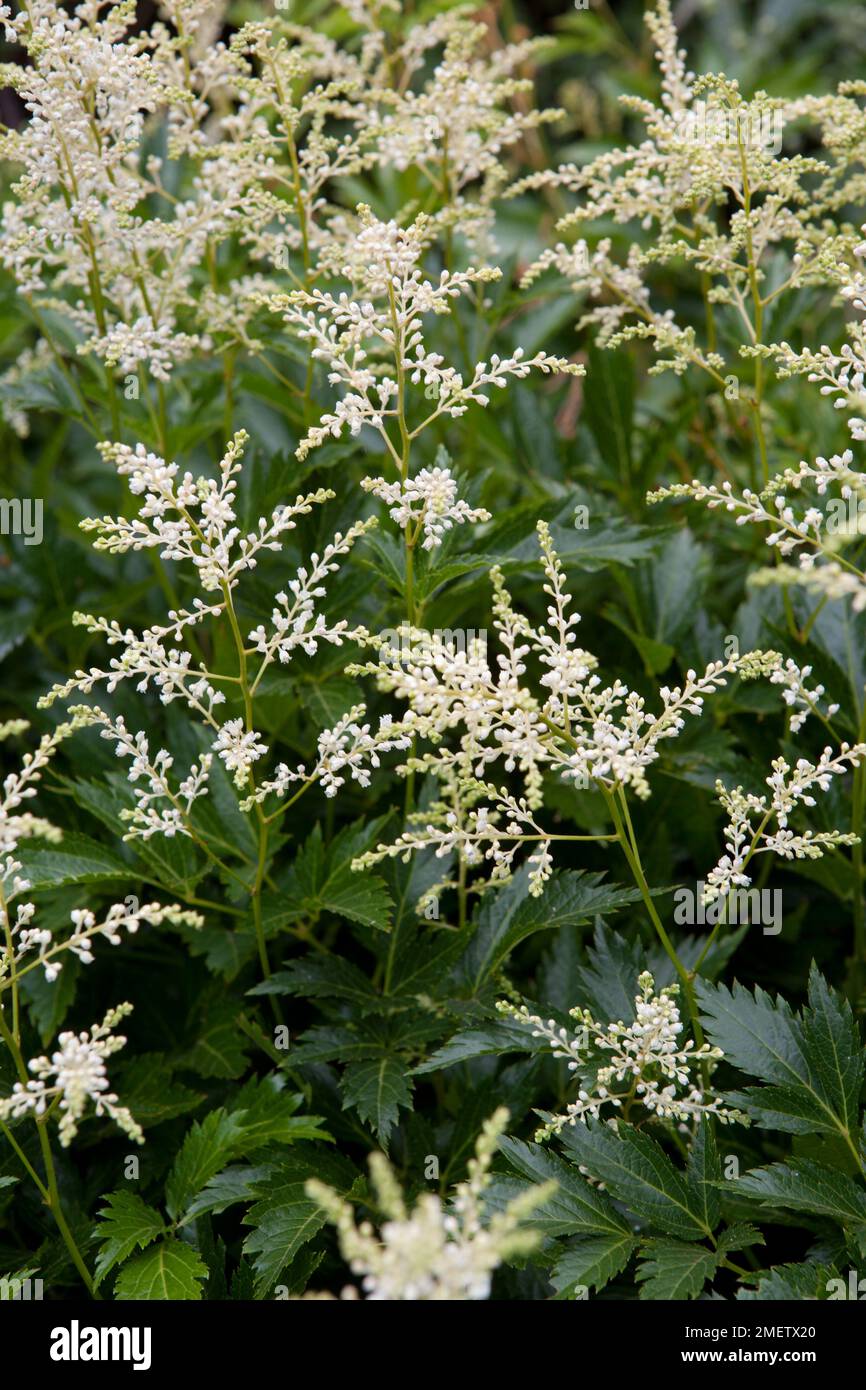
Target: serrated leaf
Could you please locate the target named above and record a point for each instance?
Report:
(609, 540)
(322, 976)
(702, 1171)
(234, 1184)
(674, 1270)
(280, 1230)
(575, 1206)
(321, 879)
(738, 1237)
(168, 1271)
(492, 1040)
(261, 1113)
(591, 1262)
(127, 1224)
(206, 1148)
(791, 1282)
(675, 585)
(813, 1064)
(377, 1089)
(452, 567)
(415, 959)
(756, 1033)
(174, 860)
(327, 701)
(77, 859)
(331, 1043)
(50, 1000)
(834, 1050)
(609, 408)
(510, 915)
(266, 1113)
(559, 972)
(803, 1185)
(638, 1173)
(608, 984)
(284, 1218)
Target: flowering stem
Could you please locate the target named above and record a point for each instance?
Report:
(25, 1161)
(50, 1193)
(758, 303)
(628, 841)
(723, 916)
(57, 1212)
(297, 188)
(275, 815)
(263, 827)
(408, 538)
(859, 796)
(10, 953)
(257, 898)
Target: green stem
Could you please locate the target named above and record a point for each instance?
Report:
(50, 1192)
(858, 799)
(628, 842)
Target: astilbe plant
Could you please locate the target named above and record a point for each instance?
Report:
(719, 192)
(274, 298)
(65, 1085)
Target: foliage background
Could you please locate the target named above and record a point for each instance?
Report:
(658, 590)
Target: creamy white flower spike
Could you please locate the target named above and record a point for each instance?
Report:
(427, 504)
(799, 533)
(76, 1077)
(433, 1252)
(790, 788)
(193, 520)
(110, 229)
(649, 1066)
(711, 181)
(372, 341)
(484, 718)
(24, 946)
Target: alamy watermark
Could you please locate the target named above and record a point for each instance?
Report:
(77, 1343)
(735, 126)
(846, 516)
(22, 516)
(398, 646)
(852, 1288)
(20, 1290)
(741, 906)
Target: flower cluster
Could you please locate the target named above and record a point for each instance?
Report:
(73, 1077)
(801, 700)
(840, 374)
(797, 532)
(426, 504)
(126, 916)
(126, 237)
(194, 520)
(790, 787)
(710, 181)
(26, 946)
(347, 747)
(575, 727)
(372, 341)
(433, 1252)
(649, 1066)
